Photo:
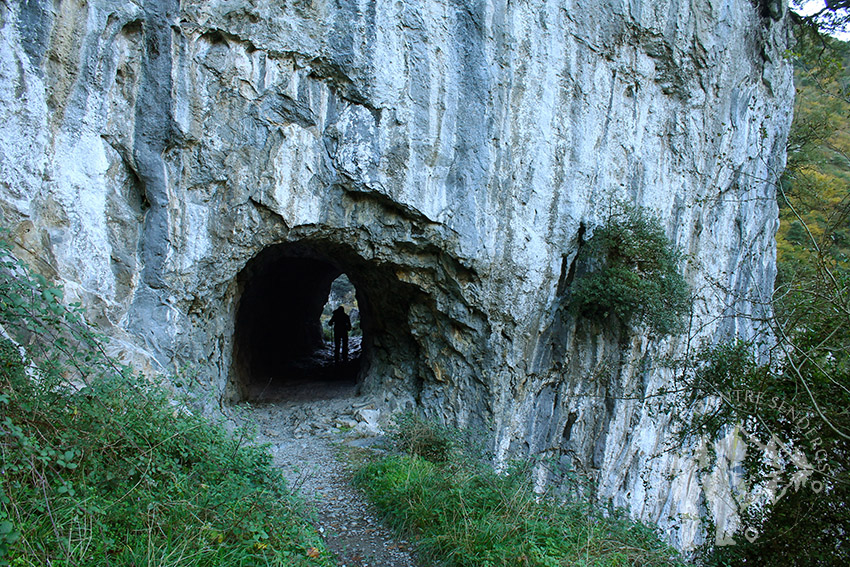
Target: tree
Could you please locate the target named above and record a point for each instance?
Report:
(832, 17)
(801, 393)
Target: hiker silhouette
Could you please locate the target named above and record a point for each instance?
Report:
(341, 324)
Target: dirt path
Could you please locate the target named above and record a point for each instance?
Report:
(305, 438)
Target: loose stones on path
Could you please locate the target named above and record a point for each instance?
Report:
(304, 440)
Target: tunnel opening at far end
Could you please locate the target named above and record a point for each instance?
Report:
(284, 343)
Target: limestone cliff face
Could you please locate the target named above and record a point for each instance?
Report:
(156, 155)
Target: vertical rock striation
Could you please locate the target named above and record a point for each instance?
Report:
(446, 155)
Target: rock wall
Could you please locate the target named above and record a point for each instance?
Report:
(446, 155)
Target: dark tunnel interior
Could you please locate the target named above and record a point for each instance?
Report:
(280, 346)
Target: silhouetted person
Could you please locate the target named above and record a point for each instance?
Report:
(341, 324)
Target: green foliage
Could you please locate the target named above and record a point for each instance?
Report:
(628, 270)
(465, 514)
(428, 439)
(814, 201)
(801, 397)
(797, 404)
(727, 371)
(101, 467)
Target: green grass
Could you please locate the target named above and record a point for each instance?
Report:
(462, 513)
(98, 466)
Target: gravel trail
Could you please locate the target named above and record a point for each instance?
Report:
(305, 439)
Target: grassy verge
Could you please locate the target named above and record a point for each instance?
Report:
(462, 513)
(100, 467)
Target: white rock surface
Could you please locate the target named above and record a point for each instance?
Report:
(444, 155)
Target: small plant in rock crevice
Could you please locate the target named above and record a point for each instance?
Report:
(628, 269)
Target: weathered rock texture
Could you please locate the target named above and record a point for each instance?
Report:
(444, 154)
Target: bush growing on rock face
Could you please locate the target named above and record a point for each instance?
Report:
(628, 269)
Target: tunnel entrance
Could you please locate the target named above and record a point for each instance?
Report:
(283, 344)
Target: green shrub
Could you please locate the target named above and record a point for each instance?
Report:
(430, 440)
(101, 467)
(628, 269)
(724, 370)
(463, 513)
(799, 402)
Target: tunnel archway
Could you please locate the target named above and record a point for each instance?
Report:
(280, 346)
